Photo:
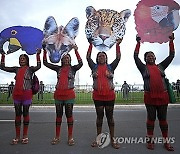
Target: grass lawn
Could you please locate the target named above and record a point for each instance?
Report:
(81, 98)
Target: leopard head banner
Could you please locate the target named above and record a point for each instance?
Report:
(105, 26)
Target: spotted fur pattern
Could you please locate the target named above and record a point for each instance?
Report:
(105, 26)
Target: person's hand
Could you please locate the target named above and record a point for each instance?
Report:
(90, 40)
(118, 41)
(2, 51)
(95, 75)
(43, 45)
(138, 38)
(172, 37)
(75, 47)
(44, 51)
(38, 51)
(107, 73)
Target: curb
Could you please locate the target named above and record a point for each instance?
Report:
(83, 107)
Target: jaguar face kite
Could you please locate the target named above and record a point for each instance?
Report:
(105, 26)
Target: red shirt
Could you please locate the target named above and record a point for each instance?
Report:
(157, 94)
(62, 92)
(19, 93)
(103, 92)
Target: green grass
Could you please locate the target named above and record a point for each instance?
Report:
(81, 98)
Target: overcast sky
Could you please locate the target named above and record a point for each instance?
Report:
(35, 12)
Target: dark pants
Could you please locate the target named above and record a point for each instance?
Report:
(40, 95)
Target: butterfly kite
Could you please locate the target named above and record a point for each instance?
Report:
(59, 40)
(21, 37)
(156, 19)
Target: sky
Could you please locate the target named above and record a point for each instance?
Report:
(35, 12)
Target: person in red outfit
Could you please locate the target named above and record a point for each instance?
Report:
(22, 92)
(103, 93)
(64, 94)
(156, 97)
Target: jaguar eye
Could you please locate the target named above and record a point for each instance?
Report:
(95, 22)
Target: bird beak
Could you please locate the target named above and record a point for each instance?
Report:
(14, 45)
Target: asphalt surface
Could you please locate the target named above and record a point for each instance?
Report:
(129, 123)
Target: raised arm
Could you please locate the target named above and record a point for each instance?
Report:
(2, 60)
(80, 63)
(118, 55)
(165, 63)
(35, 68)
(88, 56)
(4, 68)
(138, 62)
(118, 52)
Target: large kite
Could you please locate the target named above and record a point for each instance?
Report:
(22, 37)
(59, 40)
(156, 19)
(105, 26)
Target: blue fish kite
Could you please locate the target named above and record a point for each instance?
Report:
(24, 37)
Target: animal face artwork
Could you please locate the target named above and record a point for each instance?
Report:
(105, 26)
(59, 40)
(161, 18)
(21, 37)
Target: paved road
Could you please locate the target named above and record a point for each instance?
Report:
(129, 122)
